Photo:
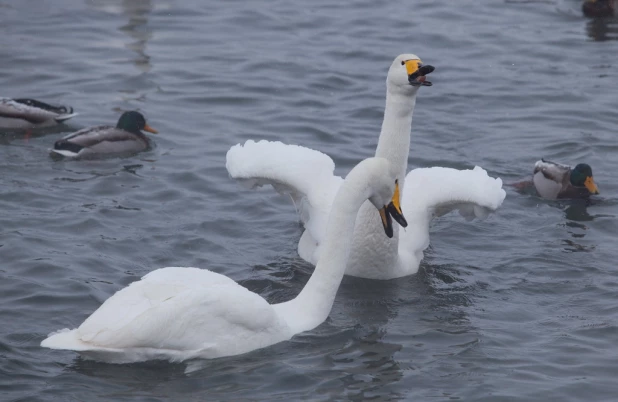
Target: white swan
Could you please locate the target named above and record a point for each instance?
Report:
(307, 175)
(184, 313)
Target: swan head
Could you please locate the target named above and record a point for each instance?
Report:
(407, 74)
(391, 211)
(385, 195)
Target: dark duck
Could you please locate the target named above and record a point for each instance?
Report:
(600, 8)
(24, 113)
(553, 180)
(126, 138)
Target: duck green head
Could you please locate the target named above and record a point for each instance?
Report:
(134, 122)
(581, 176)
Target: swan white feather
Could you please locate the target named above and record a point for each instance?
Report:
(308, 176)
(179, 313)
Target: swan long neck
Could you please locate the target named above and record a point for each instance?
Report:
(394, 142)
(312, 306)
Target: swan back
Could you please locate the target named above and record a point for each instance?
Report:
(176, 314)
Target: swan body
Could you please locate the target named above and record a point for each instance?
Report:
(185, 313)
(176, 314)
(21, 114)
(553, 180)
(125, 138)
(307, 175)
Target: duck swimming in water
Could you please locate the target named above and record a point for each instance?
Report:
(553, 180)
(23, 114)
(600, 8)
(125, 138)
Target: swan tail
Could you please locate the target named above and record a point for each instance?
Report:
(440, 190)
(68, 339)
(65, 339)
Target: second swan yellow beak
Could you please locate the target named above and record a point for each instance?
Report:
(393, 209)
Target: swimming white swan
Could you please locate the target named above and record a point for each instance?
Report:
(307, 175)
(184, 313)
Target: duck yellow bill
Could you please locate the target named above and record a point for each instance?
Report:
(591, 185)
(150, 129)
(392, 211)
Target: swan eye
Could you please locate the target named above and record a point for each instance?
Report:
(403, 63)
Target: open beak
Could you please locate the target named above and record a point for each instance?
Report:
(591, 185)
(417, 72)
(392, 211)
(150, 129)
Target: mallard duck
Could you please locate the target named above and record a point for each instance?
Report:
(553, 180)
(181, 313)
(30, 113)
(125, 138)
(600, 8)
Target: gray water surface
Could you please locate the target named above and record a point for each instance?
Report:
(520, 306)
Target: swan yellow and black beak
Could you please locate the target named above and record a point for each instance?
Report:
(393, 209)
(417, 72)
(591, 185)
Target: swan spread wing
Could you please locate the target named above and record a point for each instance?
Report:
(435, 191)
(303, 173)
(307, 175)
(439, 190)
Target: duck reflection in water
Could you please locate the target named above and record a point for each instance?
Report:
(603, 25)
(576, 213)
(602, 29)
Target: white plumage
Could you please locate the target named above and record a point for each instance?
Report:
(178, 313)
(308, 176)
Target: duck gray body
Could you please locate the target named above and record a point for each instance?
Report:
(554, 180)
(100, 140)
(125, 138)
(21, 114)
